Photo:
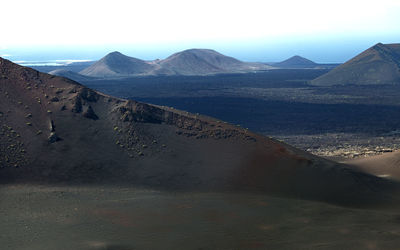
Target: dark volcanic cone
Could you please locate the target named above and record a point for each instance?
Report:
(379, 64)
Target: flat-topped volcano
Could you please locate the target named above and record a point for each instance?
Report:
(54, 130)
(204, 62)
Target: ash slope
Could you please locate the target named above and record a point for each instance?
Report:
(386, 165)
(379, 64)
(70, 74)
(54, 130)
(188, 62)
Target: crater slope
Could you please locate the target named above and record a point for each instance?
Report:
(54, 130)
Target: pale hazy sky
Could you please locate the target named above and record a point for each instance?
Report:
(249, 29)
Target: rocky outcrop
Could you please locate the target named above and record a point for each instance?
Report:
(53, 137)
(134, 111)
(83, 96)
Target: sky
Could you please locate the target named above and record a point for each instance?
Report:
(250, 30)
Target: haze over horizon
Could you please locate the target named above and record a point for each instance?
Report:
(254, 30)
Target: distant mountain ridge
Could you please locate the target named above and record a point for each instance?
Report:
(187, 62)
(379, 64)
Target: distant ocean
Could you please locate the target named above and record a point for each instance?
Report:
(51, 62)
